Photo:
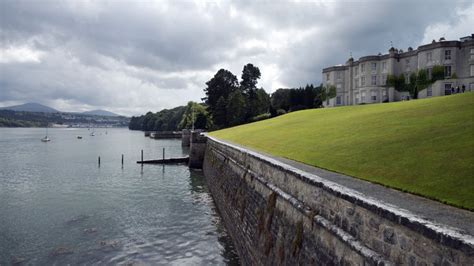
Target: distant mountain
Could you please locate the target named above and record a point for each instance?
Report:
(31, 107)
(100, 112)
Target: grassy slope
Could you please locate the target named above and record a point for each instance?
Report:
(425, 146)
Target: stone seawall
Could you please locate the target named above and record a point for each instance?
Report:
(277, 214)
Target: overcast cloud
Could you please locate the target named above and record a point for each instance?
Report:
(134, 57)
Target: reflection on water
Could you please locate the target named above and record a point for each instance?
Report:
(58, 207)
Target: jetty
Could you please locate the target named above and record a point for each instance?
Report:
(178, 160)
(165, 135)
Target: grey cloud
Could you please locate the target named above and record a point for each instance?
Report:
(144, 56)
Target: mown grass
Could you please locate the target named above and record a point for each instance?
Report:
(425, 147)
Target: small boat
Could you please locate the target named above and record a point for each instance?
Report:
(79, 137)
(92, 134)
(46, 139)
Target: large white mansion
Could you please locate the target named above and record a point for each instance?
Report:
(363, 81)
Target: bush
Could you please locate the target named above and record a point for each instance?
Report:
(261, 117)
(280, 112)
(297, 108)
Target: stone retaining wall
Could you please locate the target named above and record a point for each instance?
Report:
(277, 214)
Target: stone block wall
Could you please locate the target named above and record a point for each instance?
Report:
(197, 149)
(279, 215)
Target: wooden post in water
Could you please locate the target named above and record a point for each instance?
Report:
(98, 160)
(163, 153)
(142, 155)
(122, 159)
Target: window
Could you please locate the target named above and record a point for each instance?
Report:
(338, 75)
(472, 70)
(447, 89)
(407, 78)
(472, 54)
(362, 81)
(363, 97)
(356, 82)
(374, 67)
(327, 76)
(384, 94)
(407, 62)
(447, 71)
(429, 57)
(356, 70)
(357, 100)
(447, 55)
(429, 92)
(429, 70)
(384, 66)
(338, 86)
(384, 80)
(362, 68)
(373, 95)
(338, 100)
(471, 86)
(374, 80)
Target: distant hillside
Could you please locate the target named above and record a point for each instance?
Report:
(100, 112)
(31, 107)
(422, 146)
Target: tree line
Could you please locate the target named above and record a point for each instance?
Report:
(230, 102)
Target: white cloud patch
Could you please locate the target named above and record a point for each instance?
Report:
(21, 54)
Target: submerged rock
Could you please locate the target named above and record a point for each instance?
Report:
(78, 219)
(109, 244)
(17, 260)
(90, 230)
(61, 251)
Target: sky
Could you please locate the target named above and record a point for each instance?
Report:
(134, 57)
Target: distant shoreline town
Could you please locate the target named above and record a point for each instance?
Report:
(36, 115)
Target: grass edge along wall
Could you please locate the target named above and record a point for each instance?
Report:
(425, 147)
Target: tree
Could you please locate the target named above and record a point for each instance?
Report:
(248, 86)
(195, 113)
(250, 76)
(422, 82)
(280, 99)
(437, 73)
(397, 82)
(236, 108)
(328, 92)
(263, 100)
(220, 86)
(220, 113)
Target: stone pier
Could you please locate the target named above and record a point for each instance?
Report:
(185, 138)
(198, 147)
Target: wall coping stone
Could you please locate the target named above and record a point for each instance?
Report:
(441, 233)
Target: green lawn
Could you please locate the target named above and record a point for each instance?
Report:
(424, 147)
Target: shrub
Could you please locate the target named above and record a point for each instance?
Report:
(261, 116)
(297, 108)
(280, 112)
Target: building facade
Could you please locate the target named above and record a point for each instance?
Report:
(364, 80)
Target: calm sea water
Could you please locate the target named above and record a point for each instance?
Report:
(57, 206)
